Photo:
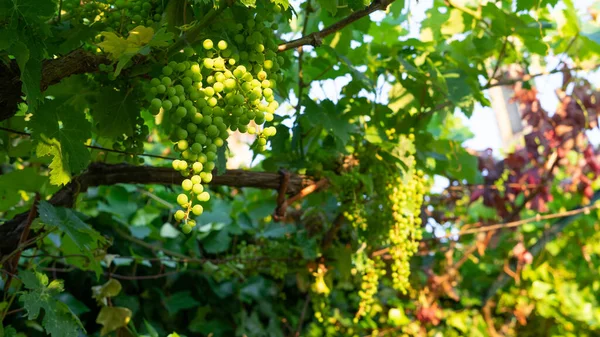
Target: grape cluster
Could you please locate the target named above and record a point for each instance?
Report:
(133, 144)
(372, 270)
(128, 14)
(404, 205)
(212, 89)
(118, 15)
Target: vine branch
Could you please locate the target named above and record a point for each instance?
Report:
(315, 39)
(103, 174)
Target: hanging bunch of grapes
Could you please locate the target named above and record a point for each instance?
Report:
(212, 88)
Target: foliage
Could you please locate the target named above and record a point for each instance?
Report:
(115, 113)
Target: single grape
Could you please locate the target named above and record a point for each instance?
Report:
(187, 185)
(179, 215)
(207, 44)
(182, 199)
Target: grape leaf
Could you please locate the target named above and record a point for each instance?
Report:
(221, 159)
(111, 288)
(329, 5)
(64, 142)
(58, 319)
(113, 318)
(249, 3)
(59, 173)
(68, 222)
(283, 3)
(139, 41)
(115, 112)
(180, 301)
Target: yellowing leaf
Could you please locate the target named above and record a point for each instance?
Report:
(117, 46)
(109, 289)
(140, 35)
(113, 44)
(113, 318)
(59, 173)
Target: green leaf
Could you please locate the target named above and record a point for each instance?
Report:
(283, 3)
(58, 319)
(180, 301)
(84, 236)
(61, 131)
(217, 242)
(248, 3)
(329, 5)
(113, 318)
(115, 112)
(221, 159)
(151, 331)
(26, 179)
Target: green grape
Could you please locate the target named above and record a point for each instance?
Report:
(182, 199)
(181, 111)
(222, 45)
(204, 196)
(207, 44)
(198, 188)
(167, 104)
(179, 215)
(181, 134)
(197, 209)
(186, 228)
(167, 71)
(156, 103)
(182, 145)
(187, 185)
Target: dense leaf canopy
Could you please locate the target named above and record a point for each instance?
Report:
(297, 168)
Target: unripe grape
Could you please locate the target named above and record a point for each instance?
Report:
(209, 167)
(181, 134)
(222, 45)
(196, 178)
(180, 112)
(186, 228)
(203, 197)
(179, 215)
(198, 188)
(182, 200)
(219, 63)
(167, 71)
(208, 63)
(197, 118)
(167, 105)
(166, 81)
(156, 103)
(192, 128)
(197, 210)
(207, 44)
(187, 185)
(230, 83)
(182, 145)
(196, 148)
